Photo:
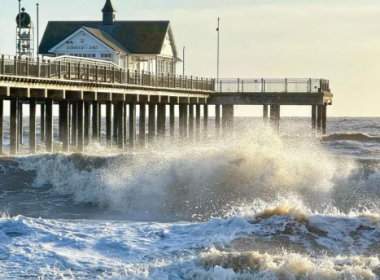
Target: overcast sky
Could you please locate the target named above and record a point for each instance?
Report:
(337, 39)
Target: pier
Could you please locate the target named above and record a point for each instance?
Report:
(81, 88)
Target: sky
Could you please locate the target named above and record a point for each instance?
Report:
(337, 40)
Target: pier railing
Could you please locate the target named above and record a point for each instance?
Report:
(272, 85)
(106, 72)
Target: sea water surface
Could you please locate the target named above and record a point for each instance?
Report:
(258, 205)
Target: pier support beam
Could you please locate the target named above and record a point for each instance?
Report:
(191, 121)
(185, 119)
(324, 119)
(266, 112)
(20, 126)
(81, 143)
(1, 126)
(319, 118)
(132, 125)
(161, 120)
(115, 125)
(120, 112)
(87, 123)
(65, 121)
(32, 126)
(152, 122)
(14, 126)
(217, 120)
(228, 120)
(42, 122)
(100, 123)
(142, 125)
(275, 117)
(181, 121)
(49, 126)
(74, 124)
(172, 120)
(198, 122)
(109, 124)
(95, 121)
(205, 119)
(313, 118)
(126, 129)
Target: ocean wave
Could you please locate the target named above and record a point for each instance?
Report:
(351, 136)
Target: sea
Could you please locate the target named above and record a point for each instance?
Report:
(258, 204)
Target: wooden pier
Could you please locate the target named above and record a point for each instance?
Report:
(80, 89)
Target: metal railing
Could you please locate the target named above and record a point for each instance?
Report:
(98, 72)
(272, 85)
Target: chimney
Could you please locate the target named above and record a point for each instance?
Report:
(108, 13)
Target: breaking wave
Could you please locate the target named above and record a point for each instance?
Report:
(352, 136)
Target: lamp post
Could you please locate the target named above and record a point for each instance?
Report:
(183, 61)
(218, 51)
(38, 30)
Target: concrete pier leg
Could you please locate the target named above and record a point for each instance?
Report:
(95, 121)
(87, 123)
(205, 119)
(161, 120)
(74, 125)
(319, 118)
(275, 117)
(265, 112)
(142, 125)
(125, 123)
(115, 126)
(152, 122)
(132, 125)
(109, 124)
(65, 118)
(32, 126)
(185, 120)
(120, 112)
(21, 125)
(42, 122)
(81, 141)
(324, 119)
(14, 126)
(198, 122)
(49, 126)
(313, 118)
(181, 121)
(217, 120)
(172, 120)
(191, 121)
(100, 123)
(1, 126)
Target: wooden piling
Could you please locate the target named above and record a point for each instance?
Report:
(95, 121)
(32, 125)
(65, 120)
(319, 118)
(181, 121)
(109, 123)
(74, 124)
(132, 125)
(185, 120)
(120, 108)
(265, 112)
(191, 121)
(198, 122)
(314, 117)
(142, 125)
(217, 120)
(81, 142)
(161, 120)
(152, 122)
(14, 126)
(172, 120)
(87, 123)
(324, 119)
(205, 119)
(42, 122)
(115, 125)
(20, 126)
(49, 126)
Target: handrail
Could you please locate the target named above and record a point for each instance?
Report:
(96, 72)
(273, 85)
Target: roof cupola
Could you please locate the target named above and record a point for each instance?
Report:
(108, 13)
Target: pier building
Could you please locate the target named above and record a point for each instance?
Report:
(137, 45)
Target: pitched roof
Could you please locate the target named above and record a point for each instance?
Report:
(108, 7)
(140, 37)
(106, 38)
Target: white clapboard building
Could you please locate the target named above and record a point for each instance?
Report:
(138, 45)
